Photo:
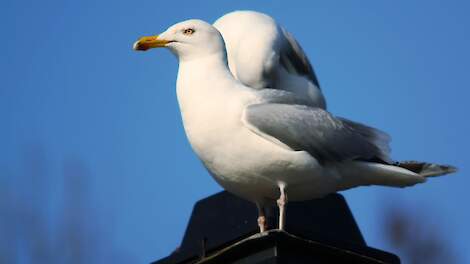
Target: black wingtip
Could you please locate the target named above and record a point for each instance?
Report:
(427, 169)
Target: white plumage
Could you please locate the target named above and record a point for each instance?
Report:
(263, 143)
(262, 54)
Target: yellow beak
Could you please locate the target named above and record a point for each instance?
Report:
(145, 43)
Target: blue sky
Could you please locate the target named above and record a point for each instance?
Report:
(71, 84)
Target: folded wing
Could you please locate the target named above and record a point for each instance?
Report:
(294, 60)
(325, 137)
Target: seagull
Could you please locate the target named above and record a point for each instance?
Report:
(266, 145)
(262, 54)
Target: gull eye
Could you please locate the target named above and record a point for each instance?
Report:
(188, 31)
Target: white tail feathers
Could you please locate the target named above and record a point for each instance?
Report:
(400, 174)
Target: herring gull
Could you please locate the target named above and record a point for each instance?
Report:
(266, 145)
(263, 54)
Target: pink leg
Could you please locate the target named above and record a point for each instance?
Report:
(281, 203)
(261, 218)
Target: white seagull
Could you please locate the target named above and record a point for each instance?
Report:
(262, 54)
(262, 144)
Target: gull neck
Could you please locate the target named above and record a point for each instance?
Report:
(209, 70)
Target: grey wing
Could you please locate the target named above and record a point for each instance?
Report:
(282, 97)
(294, 60)
(316, 131)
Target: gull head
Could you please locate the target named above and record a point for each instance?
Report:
(187, 40)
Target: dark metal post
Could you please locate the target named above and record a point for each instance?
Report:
(223, 229)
